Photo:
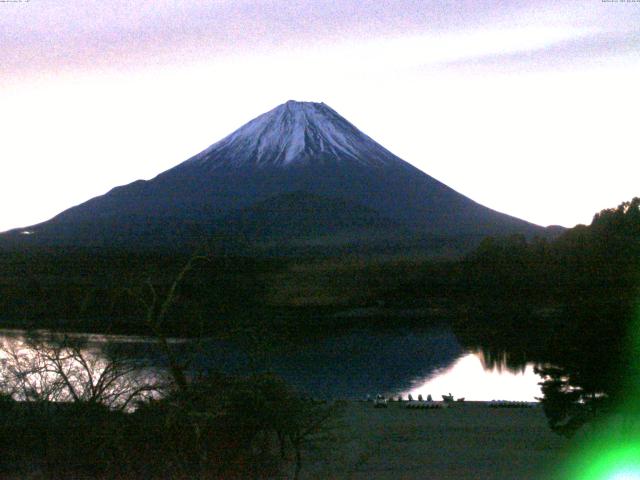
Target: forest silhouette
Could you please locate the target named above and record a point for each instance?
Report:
(569, 305)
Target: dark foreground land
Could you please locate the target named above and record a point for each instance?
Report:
(469, 441)
(466, 441)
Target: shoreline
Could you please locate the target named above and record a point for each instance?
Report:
(469, 440)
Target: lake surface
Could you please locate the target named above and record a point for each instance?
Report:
(348, 366)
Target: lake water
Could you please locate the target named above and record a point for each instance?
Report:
(349, 366)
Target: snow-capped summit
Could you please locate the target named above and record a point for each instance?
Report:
(295, 133)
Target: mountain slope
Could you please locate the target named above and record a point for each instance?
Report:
(303, 216)
(296, 147)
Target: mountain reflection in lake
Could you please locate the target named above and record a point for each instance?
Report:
(470, 377)
(349, 366)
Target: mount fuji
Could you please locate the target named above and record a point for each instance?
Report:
(298, 173)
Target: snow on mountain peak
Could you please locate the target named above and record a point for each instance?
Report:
(295, 133)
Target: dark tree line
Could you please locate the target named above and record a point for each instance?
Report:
(570, 304)
(95, 290)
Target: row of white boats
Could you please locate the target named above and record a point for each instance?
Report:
(447, 400)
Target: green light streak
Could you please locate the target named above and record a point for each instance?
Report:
(605, 461)
(611, 450)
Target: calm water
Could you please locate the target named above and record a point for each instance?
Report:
(349, 366)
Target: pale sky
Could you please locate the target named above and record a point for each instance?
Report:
(528, 107)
